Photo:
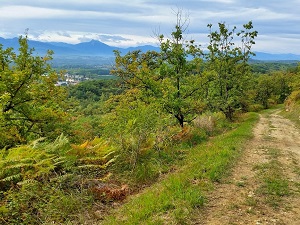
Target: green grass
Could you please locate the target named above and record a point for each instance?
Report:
(174, 200)
(274, 185)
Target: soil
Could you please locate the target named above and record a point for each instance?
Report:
(239, 199)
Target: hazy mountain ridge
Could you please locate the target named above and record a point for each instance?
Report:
(90, 48)
(97, 48)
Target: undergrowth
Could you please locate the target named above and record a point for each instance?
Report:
(292, 107)
(57, 182)
(173, 200)
(48, 182)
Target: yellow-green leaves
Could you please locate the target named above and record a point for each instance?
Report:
(170, 78)
(29, 99)
(227, 62)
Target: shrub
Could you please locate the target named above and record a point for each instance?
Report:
(255, 108)
(211, 123)
(190, 136)
(133, 130)
(292, 99)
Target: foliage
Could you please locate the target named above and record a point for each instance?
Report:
(272, 89)
(265, 90)
(133, 127)
(228, 67)
(93, 90)
(49, 181)
(85, 121)
(170, 78)
(211, 123)
(29, 100)
(292, 107)
(266, 67)
(133, 122)
(36, 203)
(293, 100)
(174, 200)
(85, 127)
(86, 105)
(40, 161)
(295, 79)
(86, 70)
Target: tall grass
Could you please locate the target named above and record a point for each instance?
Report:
(173, 200)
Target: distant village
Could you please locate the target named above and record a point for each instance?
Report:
(70, 79)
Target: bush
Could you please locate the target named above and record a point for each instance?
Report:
(255, 108)
(147, 170)
(292, 99)
(190, 136)
(133, 130)
(211, 123)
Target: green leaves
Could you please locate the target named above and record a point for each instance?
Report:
(227, 62)
(50, 181)
(170, 77)
(29, 99)
(40, 161)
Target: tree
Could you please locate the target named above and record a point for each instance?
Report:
(273, 88)
(92, 90)
(171, 77)
(264, 89)
(228, 66)
(29, 99)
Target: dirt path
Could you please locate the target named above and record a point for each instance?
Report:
(264, 187)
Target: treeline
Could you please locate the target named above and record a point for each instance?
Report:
(263, 67)
(63, 143)
(92, 72)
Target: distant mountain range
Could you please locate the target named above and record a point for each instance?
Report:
(91, 48)
(97, 48)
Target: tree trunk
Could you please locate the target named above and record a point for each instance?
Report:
(229, 113)
(180, 119)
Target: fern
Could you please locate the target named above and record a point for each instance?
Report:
(26, 163)
(12, 178)
(91, 166)
(19, 166)
(39, 159)
(59, 161)
(28, 181)
(59, 146)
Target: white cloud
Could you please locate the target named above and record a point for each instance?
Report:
(28, 12)
(277, 43)
(118, 40)
(221, 1)
(129, 23)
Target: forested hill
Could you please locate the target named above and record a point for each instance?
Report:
(97, 48)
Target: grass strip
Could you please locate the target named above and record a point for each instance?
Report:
(173, 200)
(274, 184)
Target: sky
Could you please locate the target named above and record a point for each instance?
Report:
(127, 23)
